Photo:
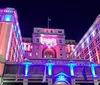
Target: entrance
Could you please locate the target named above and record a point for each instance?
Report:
(49, 53)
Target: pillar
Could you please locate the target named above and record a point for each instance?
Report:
(1, 81)
(50, 81)
(72, 81)
(96, 82)
(1, 68)
(25, 82)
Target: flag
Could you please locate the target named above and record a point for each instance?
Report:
(84, 73)
(48, 22)
(49, 19)
(44, 76)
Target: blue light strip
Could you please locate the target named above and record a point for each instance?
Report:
(93, 70)
(49, 64)
(26, 69)
(50, 70)
(72, 70)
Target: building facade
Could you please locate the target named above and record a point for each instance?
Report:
(70, 46)
(48, 43)
(89, 46)
(10, 37)
(47, 57)
(27, 46)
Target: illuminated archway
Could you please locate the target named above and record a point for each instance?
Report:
(49, 53)
(61, 79)
(61, 83)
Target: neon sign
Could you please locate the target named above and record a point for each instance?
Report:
(48, 41)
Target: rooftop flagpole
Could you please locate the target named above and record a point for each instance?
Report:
(48, 21)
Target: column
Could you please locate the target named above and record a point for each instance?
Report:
(72, 81)
(1, 81)
(49, 81)
(25, 82)
(96, 82)
(72, 70)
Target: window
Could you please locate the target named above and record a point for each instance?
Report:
(27, 40)
(98, 47)
(95, 59)
(38, 30)
(51, 31)
(81, 55)
(91, 37)
(30, 54)
(98, 39)
(60, 48)
(37, 40)
(87, 56)
(59, 31)
(87, 40)
(97, 30)
(37, 47)
(82, 45)
(93, 51)
(80, 49)
(61, 54)
(91, 45)
(47, 31)
(86, 50)
(60, 41)
(85, 43)
(75, 53)
(8, 17)
(36, 53)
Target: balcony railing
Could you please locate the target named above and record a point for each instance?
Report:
(43, 61)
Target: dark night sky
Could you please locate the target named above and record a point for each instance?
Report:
(75, 16)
